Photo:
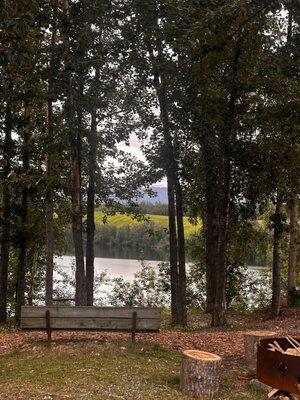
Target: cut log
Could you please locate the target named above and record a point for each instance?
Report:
(251, 340)
(200, 374)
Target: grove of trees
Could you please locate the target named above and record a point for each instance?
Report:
(211, 88)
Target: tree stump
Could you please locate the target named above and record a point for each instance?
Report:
(200, 374)
(251, 340)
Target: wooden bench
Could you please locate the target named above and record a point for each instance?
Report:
(112, 319)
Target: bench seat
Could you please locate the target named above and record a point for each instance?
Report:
(113, 319)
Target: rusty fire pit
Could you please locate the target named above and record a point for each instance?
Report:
(276, 369)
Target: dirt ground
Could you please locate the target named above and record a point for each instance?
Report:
(226, 342)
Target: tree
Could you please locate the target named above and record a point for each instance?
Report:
(49, 161)
(293, 251)
(6, 215)
(278, 231)
(90, 229)
(216, 84)
(153, 82)
(75, 158)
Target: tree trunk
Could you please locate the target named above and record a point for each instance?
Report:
(173, 251)
(276, 286)
(80, 293)
(49, 174)
(90, 228)
(171, 167)
(220, 305)
(200, 374)
(177, 249)
(33, 271)
(5, 237)
(219, 309)
(293, 251)
(21, 271)
(211, 214)
(181, 257)
(211, 246)
(49, 216)
(168, 157)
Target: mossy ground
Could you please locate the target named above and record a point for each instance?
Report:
(90, 370)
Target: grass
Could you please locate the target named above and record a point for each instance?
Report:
(121, 220)
(92, 370)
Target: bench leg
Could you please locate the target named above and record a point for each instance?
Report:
(134, 325)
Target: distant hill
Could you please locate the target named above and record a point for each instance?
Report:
(121, 220)
(161, 196)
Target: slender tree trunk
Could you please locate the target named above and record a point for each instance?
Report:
(178, 243)
(177, 302)
(293, 211)
(21, 271)
(181, 256)
(80, 294)
(49, 175)
(33, 271)
(173, 251)
(169, 161)
(220, 305)
(177, 249)
(49, 217)
(276, 287)
(211, 246)
(5, 237)
(293, 252)
(219, 309)
(211, 214)
(90, 229)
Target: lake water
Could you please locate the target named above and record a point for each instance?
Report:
(114, 267)
(64, 275)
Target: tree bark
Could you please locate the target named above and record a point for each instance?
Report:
(21, 271)
(219, 309)
(173, 251)
(293, 252)
(293, 207)
(5, 237)
(49, 172)
(90, 229)
(220, 305)
(168, 158)
(80, 291)
(49, 216)
(211, 213)
(200, 374)
(175, 206)
(171, 167)
(33, 271)
(181, 256)
(276, 286)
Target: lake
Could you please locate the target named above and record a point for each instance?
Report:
(114, 267)
(64, 287)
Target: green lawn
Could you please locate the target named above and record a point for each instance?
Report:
(96, 370)
(120, 220)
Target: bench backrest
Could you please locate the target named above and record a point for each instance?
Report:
(91, 318)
